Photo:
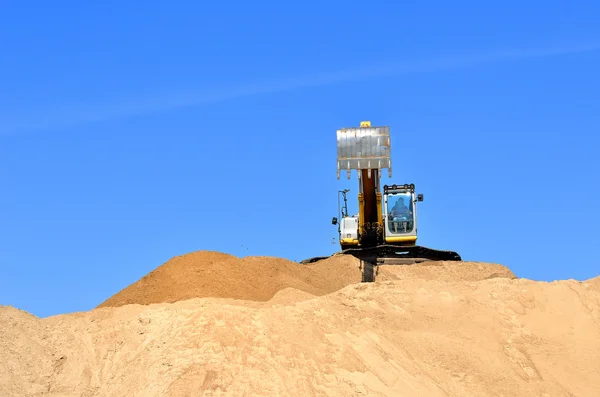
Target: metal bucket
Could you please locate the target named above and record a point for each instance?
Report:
(364, 148)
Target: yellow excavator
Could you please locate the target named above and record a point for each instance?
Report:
(385, 229)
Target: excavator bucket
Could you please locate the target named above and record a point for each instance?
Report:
(364, 148)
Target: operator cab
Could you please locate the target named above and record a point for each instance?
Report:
(400, 213)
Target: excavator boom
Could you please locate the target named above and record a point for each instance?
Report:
(366, 150)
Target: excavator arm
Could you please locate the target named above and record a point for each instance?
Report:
(366, 150)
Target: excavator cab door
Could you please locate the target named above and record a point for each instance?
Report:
(400, 214)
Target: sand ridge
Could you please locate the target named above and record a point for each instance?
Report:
(213, 274)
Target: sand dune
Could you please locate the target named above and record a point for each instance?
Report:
(437, 329)
(212, 274)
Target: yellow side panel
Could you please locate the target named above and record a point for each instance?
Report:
(349, 241)
(361, 212)
(400, 239)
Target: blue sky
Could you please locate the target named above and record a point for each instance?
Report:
(132, 133)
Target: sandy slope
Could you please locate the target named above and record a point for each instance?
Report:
(212, 274)
(471, 331)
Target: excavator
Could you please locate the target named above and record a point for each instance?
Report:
(385, 229)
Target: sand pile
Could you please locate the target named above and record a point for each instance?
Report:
(212, 274)
(475, 330)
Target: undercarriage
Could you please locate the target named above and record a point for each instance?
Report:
(372, 257)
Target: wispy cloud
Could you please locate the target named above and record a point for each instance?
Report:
(103, 112)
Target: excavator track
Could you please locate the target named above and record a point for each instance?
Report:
(393, 253)
(372, 257)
